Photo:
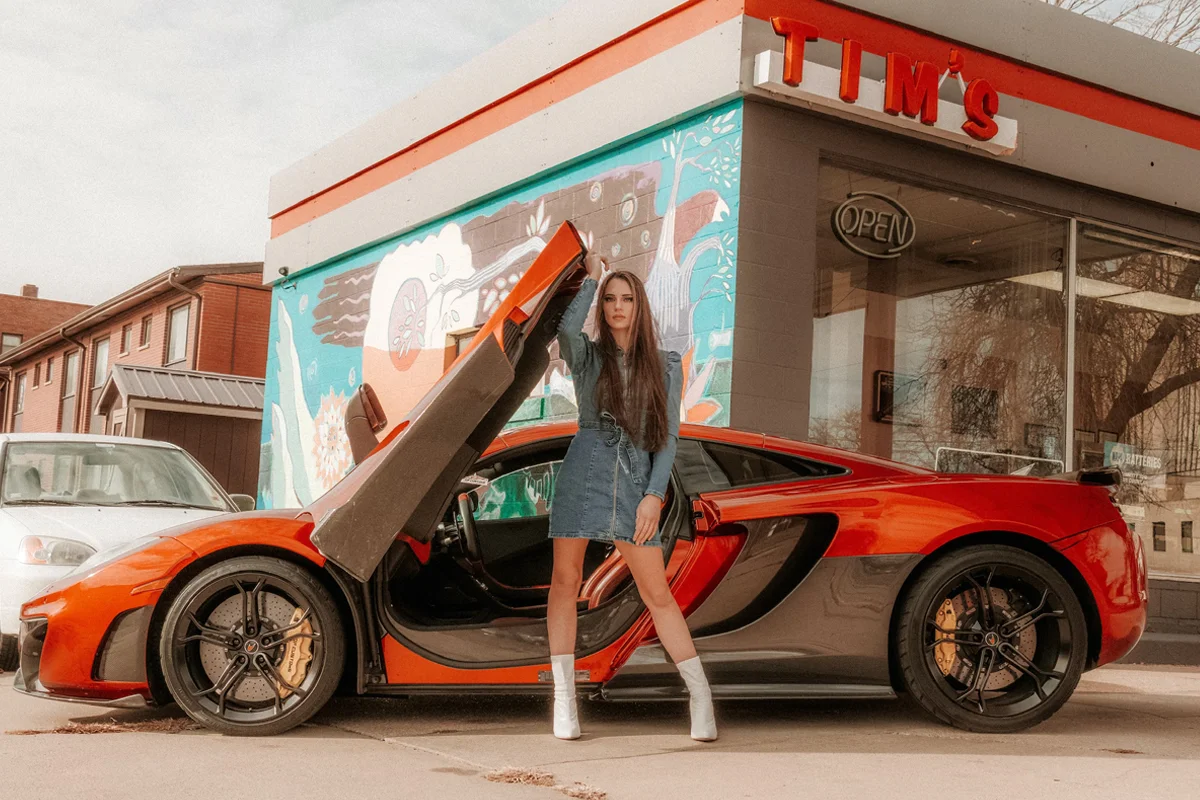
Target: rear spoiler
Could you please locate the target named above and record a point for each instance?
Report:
(1096, 476)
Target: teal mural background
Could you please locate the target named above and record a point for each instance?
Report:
(664, 205)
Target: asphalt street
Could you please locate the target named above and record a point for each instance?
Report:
(1129, 732)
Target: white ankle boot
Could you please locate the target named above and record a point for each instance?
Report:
(566, 715)
(704, 723)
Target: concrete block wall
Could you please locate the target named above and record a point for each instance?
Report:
(1174, 606)
(772, 343)
(1172, 625)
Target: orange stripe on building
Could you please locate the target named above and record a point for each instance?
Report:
(688, 20)
(656, 36)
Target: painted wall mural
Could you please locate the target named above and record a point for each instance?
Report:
(664, 206)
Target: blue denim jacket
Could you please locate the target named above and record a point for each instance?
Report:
(605, 474)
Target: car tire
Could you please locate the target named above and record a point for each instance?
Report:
(1017, 648)
(215, 604)
(10, 656)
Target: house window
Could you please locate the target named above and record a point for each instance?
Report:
(67, 406)
(146, 323)
(99, 363)
(1185, 535)
(49, 369)
(177, 329)
(126, 338)
(99, 376)
(8, 341)
(1160, 537)
(19, 404)
(37, 375)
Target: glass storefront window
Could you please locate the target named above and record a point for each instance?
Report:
(1137, 382)
(938, 332)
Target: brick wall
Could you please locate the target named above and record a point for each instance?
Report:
(235, 326)
(42, 401)
(29, 316)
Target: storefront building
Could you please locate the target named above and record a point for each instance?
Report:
(944, 232)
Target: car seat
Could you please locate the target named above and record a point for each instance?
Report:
(26, 483)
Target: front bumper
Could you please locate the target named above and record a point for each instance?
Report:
(20, 583)
(85, 638)
(132, 701)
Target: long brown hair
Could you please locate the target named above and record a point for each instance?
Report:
(645, 367)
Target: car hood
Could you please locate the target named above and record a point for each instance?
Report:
(100, 527)
(407, 481)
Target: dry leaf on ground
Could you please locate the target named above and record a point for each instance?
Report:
(532, 777)
(537, 777)
(168, 725)
(582, 791)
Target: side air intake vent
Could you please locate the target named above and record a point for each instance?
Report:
(778, 554)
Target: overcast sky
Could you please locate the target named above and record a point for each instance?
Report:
(136, 136)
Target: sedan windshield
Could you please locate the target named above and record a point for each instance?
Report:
(105, 474)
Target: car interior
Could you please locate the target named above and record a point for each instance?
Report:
(491, 557)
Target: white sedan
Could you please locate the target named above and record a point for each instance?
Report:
(65, 497)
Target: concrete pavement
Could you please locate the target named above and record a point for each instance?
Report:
(1127, 733)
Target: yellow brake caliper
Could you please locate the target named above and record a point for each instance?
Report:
(297, 653)
(945, 652)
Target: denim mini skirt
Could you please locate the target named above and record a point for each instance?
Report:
(599, 485)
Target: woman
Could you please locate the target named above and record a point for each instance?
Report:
(613, 479)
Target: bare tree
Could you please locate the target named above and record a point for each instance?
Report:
(1176, 22)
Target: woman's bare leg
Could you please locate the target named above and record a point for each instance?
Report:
(646, 565)
(564, 592)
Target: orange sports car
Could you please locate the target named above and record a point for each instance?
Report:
(803, 571)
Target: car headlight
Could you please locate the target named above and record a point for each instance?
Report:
(104, 557)
(53, 552)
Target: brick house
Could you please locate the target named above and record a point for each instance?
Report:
(179, 357)
(23, 316)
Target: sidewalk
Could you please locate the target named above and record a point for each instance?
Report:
(1129, 732)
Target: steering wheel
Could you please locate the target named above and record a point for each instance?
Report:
(470, 539)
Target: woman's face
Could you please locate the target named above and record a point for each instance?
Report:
(620, 309)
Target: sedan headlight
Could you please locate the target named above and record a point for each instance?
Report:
(53, 552)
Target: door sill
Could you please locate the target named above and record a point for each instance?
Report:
(534, 689)
(755, 691)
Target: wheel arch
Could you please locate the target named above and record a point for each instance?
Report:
(351, 617)
(1021, 541)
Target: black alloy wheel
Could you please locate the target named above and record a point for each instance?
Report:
(252, 647)
(991, 639)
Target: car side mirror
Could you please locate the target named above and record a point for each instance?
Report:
(244, 502)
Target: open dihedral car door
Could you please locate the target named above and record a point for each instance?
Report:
(406, 483)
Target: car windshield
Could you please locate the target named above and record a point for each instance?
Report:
(105, 474)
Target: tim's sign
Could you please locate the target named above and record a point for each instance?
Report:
(906, 98)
